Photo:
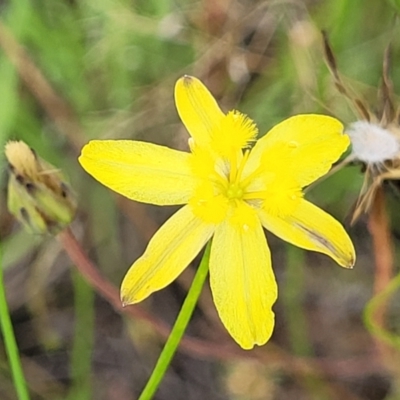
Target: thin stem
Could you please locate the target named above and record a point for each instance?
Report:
(81, 357)
(379, 228)
(10, 342)
(292, 298)
(179, 328)
(375, 305)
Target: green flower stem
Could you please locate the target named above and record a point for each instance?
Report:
(292, 298)
(81, 357)
(179, 328)
(10, 342)
(374, 306)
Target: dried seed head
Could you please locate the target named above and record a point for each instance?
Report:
(372, 143)
(375, 137)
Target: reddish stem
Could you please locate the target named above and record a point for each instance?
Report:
(379, 228)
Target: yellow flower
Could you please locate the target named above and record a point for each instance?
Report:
(232, 186)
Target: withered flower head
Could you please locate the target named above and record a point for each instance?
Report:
(375, 137)
(38, 195)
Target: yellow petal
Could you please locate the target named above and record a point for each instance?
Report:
(303, 146)
(169, 252)
(311, 228)
(243, 283)
(197, 108)
(140, 171)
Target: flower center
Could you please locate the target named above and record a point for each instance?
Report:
(234, 191)
(221, 191)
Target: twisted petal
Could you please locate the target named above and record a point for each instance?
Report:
(311, 228)
(303, 146)
(169, 252)
(243, 283)
(140, 171)
(197, 108)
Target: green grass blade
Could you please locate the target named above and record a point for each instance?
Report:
(10, 342)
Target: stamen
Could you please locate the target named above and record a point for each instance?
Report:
(262, 194)
(242, 164)
(249, 179)
(236, 173)
(233, 166)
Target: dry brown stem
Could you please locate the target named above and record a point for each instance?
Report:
(54, 105)
(379, 228)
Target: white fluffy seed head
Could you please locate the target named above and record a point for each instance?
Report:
(371, 143)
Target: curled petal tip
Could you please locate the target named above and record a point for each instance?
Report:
(125, 301)
(350, 263)
(128, 298)
(187, 80)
